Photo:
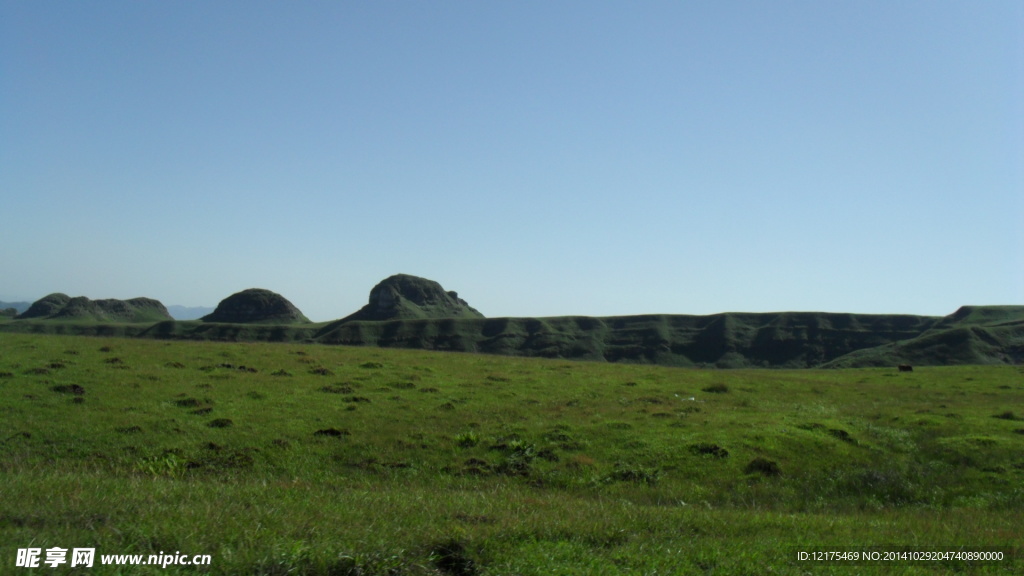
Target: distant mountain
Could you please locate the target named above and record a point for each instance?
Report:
(188, 312)
(18, 307)
(58, 306)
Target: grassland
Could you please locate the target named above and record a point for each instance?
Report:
(291, 458)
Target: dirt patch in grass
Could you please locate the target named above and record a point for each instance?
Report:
(332, 432)
(476, 467)
(337, 389)
(842, 435)
(651, 400)
(709, 449)
(474, 518)
(69, 389)
(16, 435)
(763, 466)
(450, 557)
(220, 423)
(217, 459)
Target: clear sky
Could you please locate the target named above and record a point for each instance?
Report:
(541, 158)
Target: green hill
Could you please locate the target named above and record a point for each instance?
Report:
(405, 297)
(731, 340)
(46, 306)
(410, 312)
(62, 307)
(951, 342)
(256, 306)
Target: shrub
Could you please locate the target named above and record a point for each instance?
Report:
(635, 474)
(467, 439)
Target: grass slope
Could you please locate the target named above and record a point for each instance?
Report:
(304, 459)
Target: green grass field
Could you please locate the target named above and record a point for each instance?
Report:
(278, 458)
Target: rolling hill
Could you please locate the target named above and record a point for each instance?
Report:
(409, 312)
(58, 306)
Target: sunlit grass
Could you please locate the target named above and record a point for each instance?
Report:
(370, 461)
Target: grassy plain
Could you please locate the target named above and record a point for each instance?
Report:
(283, 458)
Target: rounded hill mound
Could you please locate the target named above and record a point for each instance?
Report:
(405, 297)
(256, 306)
(46, 306)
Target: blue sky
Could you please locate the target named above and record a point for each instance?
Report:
(541, 158)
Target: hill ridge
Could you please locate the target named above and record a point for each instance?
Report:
(406, 311)
(60, 306)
